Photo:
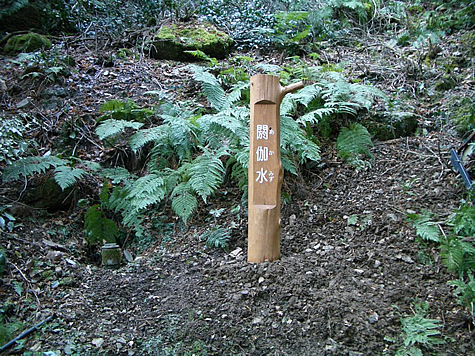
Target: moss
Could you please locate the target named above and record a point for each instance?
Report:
(29, 42)
(172, 41)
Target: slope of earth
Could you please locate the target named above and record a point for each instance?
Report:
(339, 288)
(351, 265)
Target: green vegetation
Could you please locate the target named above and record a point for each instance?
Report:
(30, 42)
(457, 248)
(419, 333)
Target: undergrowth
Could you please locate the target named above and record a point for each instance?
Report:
(455, 238)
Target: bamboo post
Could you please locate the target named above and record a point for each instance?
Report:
(265, 167)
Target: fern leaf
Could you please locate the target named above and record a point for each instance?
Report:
(146, 191)
(29, 166)
(206, 174)
(67, 176)
(117, 175)
(313, 116)
(354, 141)
(184, 202)
(210, 87)
(142, 137)
(307, 94)
(425, 227)
(201, 55)
(114, 127)
(217, 237)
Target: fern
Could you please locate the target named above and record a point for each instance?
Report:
(217, 237)
(184, 202)
(114, 127)
(465, 293)
(155, 134)
(135, 197)
(206, 174)
(457, 255)
(67, 176)
(123, 110)
(353, 142)
(203, 56)
(118, 175)
(463, 220)
(29, 166)
(425, 227)
(419, 331)
(210, 87)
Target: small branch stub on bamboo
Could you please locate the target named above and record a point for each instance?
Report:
(265, 167)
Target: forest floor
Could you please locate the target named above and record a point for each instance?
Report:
(351, 265)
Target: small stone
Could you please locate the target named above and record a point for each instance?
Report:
(261, 279)
(373, 318)
(97, 342)
(235, 253)
(54, 255)
(377, 263)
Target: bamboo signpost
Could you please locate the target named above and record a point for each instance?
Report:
(265, 167)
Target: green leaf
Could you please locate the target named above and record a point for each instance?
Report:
(425, 228)
(114, 127)
(206, 174)
(217, 237)
(142, 137)
(97, 227)
(18, 287)
(67, 176)
(31, 165)
(184, 202)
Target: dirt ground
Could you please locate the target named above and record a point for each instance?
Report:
(351, 265)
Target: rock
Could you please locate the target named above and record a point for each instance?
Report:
(54, 255)
(172, 41)
(29, 42)
(387, 128)
(97, 342)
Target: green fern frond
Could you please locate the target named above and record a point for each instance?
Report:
(419, 330)
(293, 138)
(463, 220)
(142, 137)
(288, 106)
(114, 127)
(123, 110)
(184, 203)
(306, 95)
(313, 116)
(210, 87)
(29, 166)
(67, 176)
(465, 293)
(203, 56)
(425, 227)
(221, 127)
(217, 237)
(457, 255)
(268, 68)
(133, 199)
(354, 141)
(118, 175)
(206, 174)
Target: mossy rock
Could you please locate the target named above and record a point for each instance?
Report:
(384, 129)
(172, 41)
(29, 42)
